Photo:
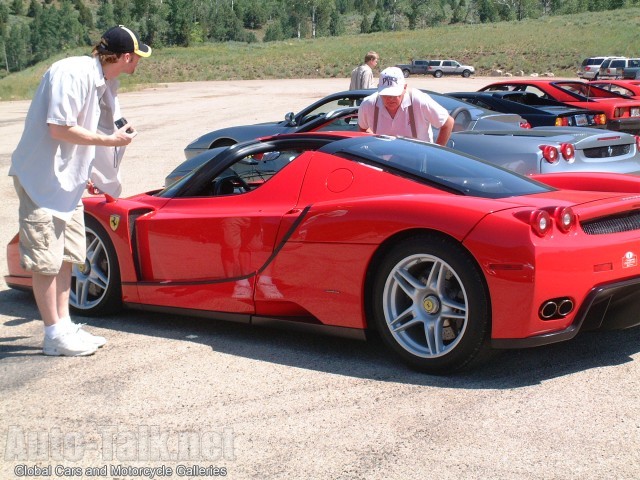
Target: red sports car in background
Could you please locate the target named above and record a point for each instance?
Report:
(442, 254)
(630, 88)
(623, 113)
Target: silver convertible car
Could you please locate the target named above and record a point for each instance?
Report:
(499, 141)
(314, 116)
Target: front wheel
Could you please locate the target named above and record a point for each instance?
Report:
(466, 74)
(431, 306)
(95, 285)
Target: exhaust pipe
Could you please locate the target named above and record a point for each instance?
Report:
(556, 308)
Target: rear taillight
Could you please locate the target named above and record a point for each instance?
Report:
(562, 122)
(540, 222)
(525, 124)
(600, 119)
(637, 142)
(565, 218)
(619, 112)
(549, 153)
(568, 151)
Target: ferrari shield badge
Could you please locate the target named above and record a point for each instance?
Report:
(114, 221)
(629, 260)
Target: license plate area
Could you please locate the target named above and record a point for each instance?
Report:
(581, 120)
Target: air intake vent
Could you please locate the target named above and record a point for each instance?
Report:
(607, 152)
(613, 224)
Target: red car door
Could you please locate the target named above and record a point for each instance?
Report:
(194, 251)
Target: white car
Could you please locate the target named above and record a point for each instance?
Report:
(591, 67)
(438, 68)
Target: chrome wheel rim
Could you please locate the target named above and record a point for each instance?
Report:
(425, 306)
(89, 281)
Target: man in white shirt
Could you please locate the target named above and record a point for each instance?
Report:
(396, 110)
(362, 76)
(52, 166)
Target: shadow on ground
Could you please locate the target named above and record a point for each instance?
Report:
(507, 369)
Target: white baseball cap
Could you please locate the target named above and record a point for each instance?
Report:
(391, 82)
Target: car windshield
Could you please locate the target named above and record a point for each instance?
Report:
(317, 109)
(448, 169)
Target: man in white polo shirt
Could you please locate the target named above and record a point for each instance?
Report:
(396, 110)
(71, 117)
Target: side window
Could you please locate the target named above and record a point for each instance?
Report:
(621, 90)
(535, 91)
(248, 173)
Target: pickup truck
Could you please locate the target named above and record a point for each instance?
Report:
(632, 70)
(415, 67)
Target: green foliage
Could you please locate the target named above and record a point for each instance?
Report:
(106, 17)
(336, 25)
(365, 25)
(468, 25)
(17, 7)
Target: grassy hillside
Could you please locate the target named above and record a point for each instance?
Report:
(552, 44)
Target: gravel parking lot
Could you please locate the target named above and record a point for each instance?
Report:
(179, 397)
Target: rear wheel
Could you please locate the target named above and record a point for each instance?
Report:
(431, 306)
(95, 285)
(406, 73)
(437, 73)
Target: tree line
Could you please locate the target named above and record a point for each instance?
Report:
(33, 30)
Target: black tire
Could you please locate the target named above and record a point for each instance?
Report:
(406, 73)
(429, 283)
(466, 74)
(95, 286)
(437, 73)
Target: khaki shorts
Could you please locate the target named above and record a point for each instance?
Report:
(47, 241)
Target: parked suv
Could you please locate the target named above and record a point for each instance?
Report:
(612, 67)
(590, 67)
(438, 68)
(632, 70)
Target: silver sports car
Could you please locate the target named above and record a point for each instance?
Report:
(498, 141)
(311, 118)
(553, 149)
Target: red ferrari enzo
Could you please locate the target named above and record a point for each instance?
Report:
(444, 255)
(623, 113)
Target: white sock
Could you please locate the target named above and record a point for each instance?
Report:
(55, 330)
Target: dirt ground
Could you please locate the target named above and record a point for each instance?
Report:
(176, 397)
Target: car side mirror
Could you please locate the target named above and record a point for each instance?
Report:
(290, 119)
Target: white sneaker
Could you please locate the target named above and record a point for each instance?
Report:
(69, 344)
(87, 337)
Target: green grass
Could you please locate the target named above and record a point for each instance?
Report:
(551, 44)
